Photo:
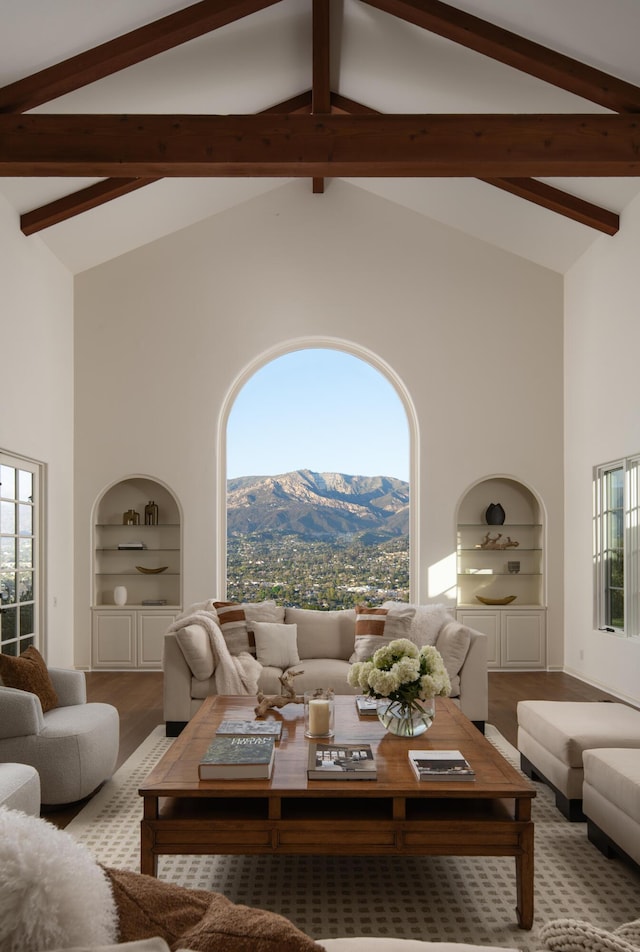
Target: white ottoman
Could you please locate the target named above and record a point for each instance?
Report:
(611, 800)
(20, 788)
(552, 736)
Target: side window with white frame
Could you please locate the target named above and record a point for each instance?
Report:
(19, 545)
(617, 546)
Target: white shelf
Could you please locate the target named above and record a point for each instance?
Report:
(131, 635)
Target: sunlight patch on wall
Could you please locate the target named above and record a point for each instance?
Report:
(442, 577)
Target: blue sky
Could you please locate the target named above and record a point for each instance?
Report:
(318, 409)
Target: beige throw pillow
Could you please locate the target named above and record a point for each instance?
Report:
(453, 644)
(196, 647)
(276, 645)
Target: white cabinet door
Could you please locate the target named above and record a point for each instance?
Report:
(515, 638)
(523, 639)
(114, 639)
(151, 629)
(489, 624)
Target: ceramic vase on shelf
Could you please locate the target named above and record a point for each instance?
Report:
(406, 720)
(495, 514)
(120, 595)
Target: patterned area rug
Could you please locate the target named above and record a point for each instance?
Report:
(453, 899)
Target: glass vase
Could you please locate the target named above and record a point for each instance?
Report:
(406, 720)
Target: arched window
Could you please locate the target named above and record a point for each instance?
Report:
(317, 510)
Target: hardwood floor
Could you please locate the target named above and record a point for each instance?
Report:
(138, 697)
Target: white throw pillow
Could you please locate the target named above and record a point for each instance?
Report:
(53, 894)
(196, 647)
(276, 645)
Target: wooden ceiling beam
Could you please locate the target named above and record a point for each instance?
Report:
(81, 201)
(480, 146)
(516, 51)
(124, 51)
(547, 196)
(556, 200)
(321, 68)
(62, 209)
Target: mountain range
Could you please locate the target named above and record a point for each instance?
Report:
(318, 506)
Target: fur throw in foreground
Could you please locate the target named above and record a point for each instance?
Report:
(52, 892)
(199, 920)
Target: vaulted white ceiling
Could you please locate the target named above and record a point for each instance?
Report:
(263, 59)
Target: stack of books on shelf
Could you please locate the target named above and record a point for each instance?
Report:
(341, 762)
(440, 765)
(241, 750)
(131, 545)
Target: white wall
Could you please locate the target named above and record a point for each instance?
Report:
(36, 416)
(602, 423)
(474, 333)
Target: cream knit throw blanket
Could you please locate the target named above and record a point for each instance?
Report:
(233, 674)
(573, 935)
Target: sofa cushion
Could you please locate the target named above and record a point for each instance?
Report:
(198, 919)
(263, 611)
(196, 647)
(323, 634)
(276, 645)
(376, 627)
(453, 644)
(29, 673)
(323, 673)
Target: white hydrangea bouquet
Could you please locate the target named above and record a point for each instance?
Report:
(407, 678)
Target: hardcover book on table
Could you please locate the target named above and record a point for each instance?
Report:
(241, 755)
(253, 728)
(341, 762)
(440, 765)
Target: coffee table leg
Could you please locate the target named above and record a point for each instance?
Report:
(148, 858)
(524, 879)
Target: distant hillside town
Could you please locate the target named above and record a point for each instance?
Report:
(318, 540)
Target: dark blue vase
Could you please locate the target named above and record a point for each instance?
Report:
(495, 514)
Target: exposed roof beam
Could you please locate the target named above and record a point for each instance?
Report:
(558, 201)
(321, 68)
(482, 146)
(117, 54)
(540, 193)
(82, 201)
(547, 196)
(102, 192)
(516, 51)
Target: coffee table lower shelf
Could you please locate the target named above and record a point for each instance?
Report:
(325, 825)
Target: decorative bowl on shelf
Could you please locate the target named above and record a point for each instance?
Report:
(162, 568)
(496, 601)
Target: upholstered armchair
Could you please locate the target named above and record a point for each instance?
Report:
(73, 746)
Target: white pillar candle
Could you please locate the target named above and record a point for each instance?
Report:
(319, 716)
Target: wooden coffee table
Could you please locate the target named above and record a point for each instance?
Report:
(393, 815)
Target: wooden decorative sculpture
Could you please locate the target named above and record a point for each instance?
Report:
(288, 696)
(489, 543)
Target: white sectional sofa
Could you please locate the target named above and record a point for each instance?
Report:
(323, 645)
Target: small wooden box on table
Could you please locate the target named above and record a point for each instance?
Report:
(393, 815)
